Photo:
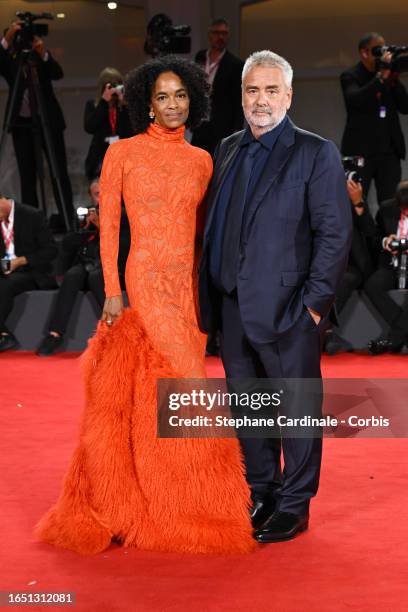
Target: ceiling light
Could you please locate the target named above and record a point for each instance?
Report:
(112, 6)
(60, 15)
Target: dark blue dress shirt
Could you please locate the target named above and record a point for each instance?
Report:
(267, 142)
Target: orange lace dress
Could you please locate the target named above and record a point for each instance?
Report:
(162, 179)
(124, 483)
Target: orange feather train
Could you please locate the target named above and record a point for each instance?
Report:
(127, 485)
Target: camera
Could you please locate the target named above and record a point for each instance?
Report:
(81, 219)
(399, 61)
(400, 261)
(24, 38)
(118, 88)
(5, 265)
(163, 37)
(351, 167)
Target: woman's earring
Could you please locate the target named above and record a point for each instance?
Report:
(151, 115)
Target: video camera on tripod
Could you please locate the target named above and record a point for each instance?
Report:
(400, 260)
(163, 37)
(26, 78)
(24, 38)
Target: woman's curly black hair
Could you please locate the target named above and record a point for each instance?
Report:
(139, 86)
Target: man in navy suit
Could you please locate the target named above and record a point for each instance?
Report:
(276, 245)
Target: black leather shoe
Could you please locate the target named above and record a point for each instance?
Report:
(261, 509)
(333, 344)
(8, 343)
(281, 526)
(383, 345)
(49, 345)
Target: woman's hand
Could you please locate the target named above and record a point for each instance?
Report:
(108, 92)
(112, 309)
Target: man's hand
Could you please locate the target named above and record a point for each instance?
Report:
(12, 31)
(355, 191)
(16, 263)
(387, 241)
(38, 46)
(386, 58)
(93, 218)
(315, 316)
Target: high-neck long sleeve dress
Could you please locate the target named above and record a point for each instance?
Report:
(162, 179)
(125, 484)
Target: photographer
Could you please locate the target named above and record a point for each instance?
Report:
(106, 118)
(223, 71)
(360, 262)
(392, 221)
(23, 125)
(374, 97)
(81, 264)
(27, 249)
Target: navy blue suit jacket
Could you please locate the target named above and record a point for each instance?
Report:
(296, 238)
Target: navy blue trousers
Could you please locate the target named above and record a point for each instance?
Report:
(295, 355)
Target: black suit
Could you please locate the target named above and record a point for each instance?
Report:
(226, 106)
(96, 122)
(33, 240)
(360, 264)
(385, 277)
(22, 127)
(81, 264)
(379, 140)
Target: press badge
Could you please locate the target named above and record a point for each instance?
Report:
(111, 139)
(383, 112)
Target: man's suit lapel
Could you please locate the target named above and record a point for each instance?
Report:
(277, 160)
(219, 179)
(394, 218)
(2, 245)
(18, 227)
(388, 218)
(220, 75)
(17, 232)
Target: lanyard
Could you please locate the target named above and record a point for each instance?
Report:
(113, 115)
(403, 221)
(8, 234)
(382, 109)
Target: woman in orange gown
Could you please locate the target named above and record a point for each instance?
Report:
(125, 484)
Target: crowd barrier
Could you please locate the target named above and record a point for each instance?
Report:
(28, 321)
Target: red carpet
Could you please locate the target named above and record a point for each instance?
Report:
(354, 556)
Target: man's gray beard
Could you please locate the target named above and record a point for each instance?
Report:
(268, 127)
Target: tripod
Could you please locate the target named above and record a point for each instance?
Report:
(40, 128)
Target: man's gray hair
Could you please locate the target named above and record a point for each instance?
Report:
(272, 60)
